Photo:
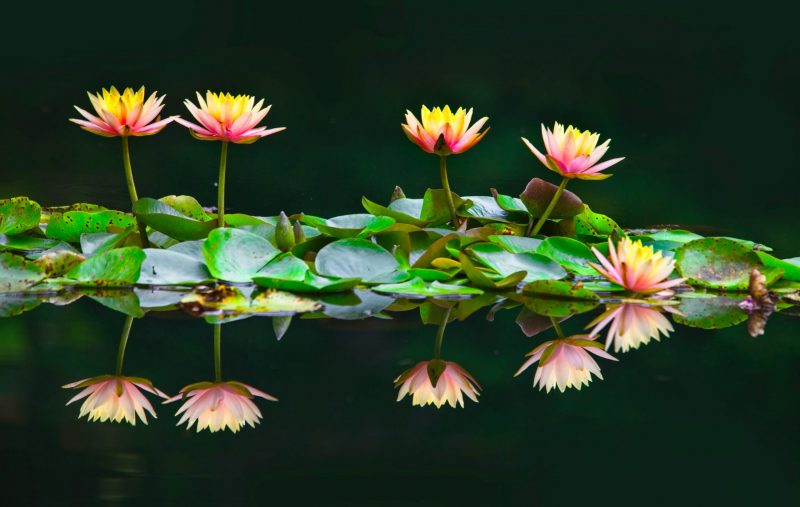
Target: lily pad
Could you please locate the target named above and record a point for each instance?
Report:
(435, 209)
(403, 211)
(168, 267)
(116, 267)
(24, 243)
(790, 267)
(187, 206)
(569, 253)
(70, 225)
(287, 272)
(18, 214)
(538, 194)
(589, 223)
(99, 242)
(516, 244)
(506, 263)
(356, 258)
(416, 287)
(485, 208)
(720, 263)
(234, 255)
(17, 274)
(348, 226)
(480, 279)
(710, 311)
(167, 220)
(59, 262)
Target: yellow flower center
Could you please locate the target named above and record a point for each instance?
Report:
(118, 104)
(226, 108)
(435, 120)
(584, 142)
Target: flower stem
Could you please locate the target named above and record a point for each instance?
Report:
(126, 163)
(437, 348)
(550, 207)
(218, 352)
(448, 193)
(557, 327)
(223, 161)
(123, 342)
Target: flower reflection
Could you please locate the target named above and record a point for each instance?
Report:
(115, 398)
(632, 325)
(219, 405)
(565, 362)
(437, 382)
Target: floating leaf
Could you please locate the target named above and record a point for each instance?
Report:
(27, 243)
(720, 263)
(286, 272)
(569, 253)
(113, 268)
(480, 279)
(416, 287)
(509, 203)
(18, 214)
(355, 258)
(538, 194)
(234, 255)
(17, 274)
(516, 244)
(187, 206)
(165, 219)
(708, 311)
(403, 211)
(590, 223)
(435, 209)
(193, 249)
(676, 235)
(348, 226)
(485, 208)
(168, 267)
(70, 225)
(57, 263)
(506, 263)
(790, 267)
(98, 242)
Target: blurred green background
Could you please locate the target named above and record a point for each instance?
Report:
(701, 99)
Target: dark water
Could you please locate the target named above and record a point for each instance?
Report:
(701, 416)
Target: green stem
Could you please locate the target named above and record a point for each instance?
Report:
(223, 161)
(557, 327)
(437, 349)
(123, 342)
(218, 352)
(550, 207)
(126, 163)
(448, 193)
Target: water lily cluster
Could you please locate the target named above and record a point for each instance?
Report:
(444, 254)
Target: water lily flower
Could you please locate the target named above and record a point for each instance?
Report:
(437, 382)
(632, 325)
(635, 267)
(123, 114)
(565, 362)
(219, 405)
(115, 398)
(229, 119)
(224, 117)
(443, 132)
(572, 153)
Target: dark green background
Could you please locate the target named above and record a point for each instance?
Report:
(702, 100)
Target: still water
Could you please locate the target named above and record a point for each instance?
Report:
(695, 416)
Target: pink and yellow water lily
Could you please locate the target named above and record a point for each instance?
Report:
(218, 406)
(444, 132)
(565, 362)
(437, 382)
(573, 153)
(636, 267)
(225, 117)
(115, 398)
(631, 325)
(123, 114)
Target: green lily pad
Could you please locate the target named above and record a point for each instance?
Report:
(18, 214)
(416, 287)
(708, 311)
(356, 258)
(676, 235)
(99, 242)
(234, 255)
(538, 194)
(435, 209)
(720, 263)
(485, 208)
(482, 280)
(590, 223)
(349, 226)
(24, 243)
(287, 272)
(187, 206)
(790, 267)
(508, 203)
(17, 274)
(569, 253)
(116, 267)
(516, 244)
(403, 211)
(70, 225)
(506, 263)
(59, 262)
(168, 267)
(165, 219)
